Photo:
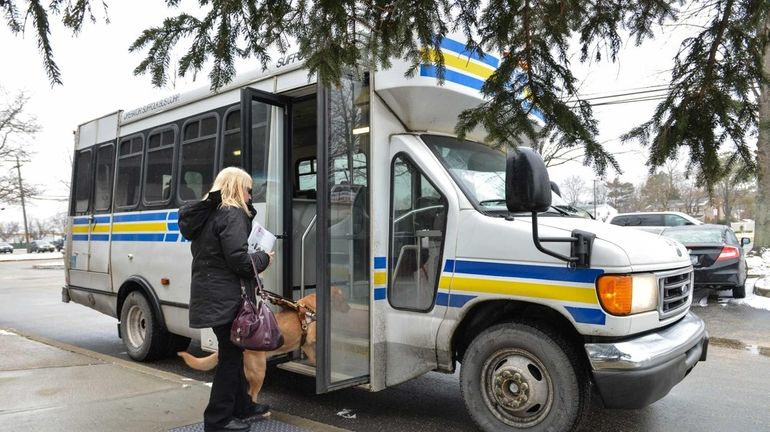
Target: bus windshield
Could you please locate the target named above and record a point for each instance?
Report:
(479, 170)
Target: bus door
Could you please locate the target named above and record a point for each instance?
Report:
(91, 204)
(266, 122)
(343, 274)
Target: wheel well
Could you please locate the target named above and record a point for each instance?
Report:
(137, 284)
(488, 313)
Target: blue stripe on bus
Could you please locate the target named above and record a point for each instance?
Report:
(524, 271)
(459, 48)
(173, 215)
(100, 237)
(138, 237)
(79, 237)
(379, 293)
(173, 226)
(380, 263)
(453, 300)
(172, 237)
(452, 76)
(86, 220)
(143, 217)
(587, 315)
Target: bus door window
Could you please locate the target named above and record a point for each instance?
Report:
(419, 215)
(129, 169)
(260, 148)
(82, 187)
(105, 159)
(158, 171)
(197, 157)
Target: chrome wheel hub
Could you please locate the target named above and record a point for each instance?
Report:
(136, 327)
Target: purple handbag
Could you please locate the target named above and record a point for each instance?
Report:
(255, 327)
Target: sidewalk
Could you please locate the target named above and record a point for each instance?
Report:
(46, 385)
(32, 256)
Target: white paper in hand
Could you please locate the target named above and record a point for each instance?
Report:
(260, 238)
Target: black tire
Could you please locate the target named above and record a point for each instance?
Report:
(533, 371)
(144, 338)
(739, 291)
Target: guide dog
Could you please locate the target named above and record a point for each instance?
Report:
(255, 362)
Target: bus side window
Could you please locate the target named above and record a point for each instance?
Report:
(128, 180)
(198, 153)
(82, 186)
(105, 160)
(418, 215)
(231, 148)
(158, 170)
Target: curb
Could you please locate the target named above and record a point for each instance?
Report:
(168, 376)
(764, 292)
(49, 266)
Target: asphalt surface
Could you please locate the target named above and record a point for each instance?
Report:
(728, 392)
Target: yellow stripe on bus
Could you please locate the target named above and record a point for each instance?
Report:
(139, 227)
(524, 289)
(461, 62)
(380, 278)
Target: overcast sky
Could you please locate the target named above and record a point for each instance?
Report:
(97, 79)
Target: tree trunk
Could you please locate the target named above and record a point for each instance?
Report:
(762, 227)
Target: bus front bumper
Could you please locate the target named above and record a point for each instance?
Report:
(636, 372)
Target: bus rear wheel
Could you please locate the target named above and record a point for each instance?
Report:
(144, 338)
(517, 377)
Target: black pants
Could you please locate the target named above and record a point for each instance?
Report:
(229, 391)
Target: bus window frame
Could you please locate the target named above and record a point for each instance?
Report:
(141, 169)
(174, 169)
(74, 201)
(198, 118)
(221, 144)
(111, 186)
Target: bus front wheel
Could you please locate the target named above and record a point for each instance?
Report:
(517, 377)
(144, 338)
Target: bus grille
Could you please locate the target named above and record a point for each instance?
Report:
(675, 291)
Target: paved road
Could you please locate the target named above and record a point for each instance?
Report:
(728, 392)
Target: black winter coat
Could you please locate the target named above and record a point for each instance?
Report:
(220, 260)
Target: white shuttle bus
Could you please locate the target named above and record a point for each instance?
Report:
(448, 252)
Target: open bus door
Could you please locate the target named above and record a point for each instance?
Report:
(343, 252)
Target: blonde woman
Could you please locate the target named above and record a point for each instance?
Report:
(219, 227)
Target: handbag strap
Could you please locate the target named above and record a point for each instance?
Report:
(260, 290)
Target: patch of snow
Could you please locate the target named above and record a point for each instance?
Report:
(346, 413)
(7, 333)
(752, 300)
(208, 384)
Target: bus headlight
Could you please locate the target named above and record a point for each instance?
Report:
(628, 294)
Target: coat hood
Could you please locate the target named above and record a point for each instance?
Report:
(193, 216)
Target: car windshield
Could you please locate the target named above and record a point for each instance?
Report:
(695, 235)
(479, 170)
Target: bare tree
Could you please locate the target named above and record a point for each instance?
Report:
(573, 189)
(8, 230)
(16, 126)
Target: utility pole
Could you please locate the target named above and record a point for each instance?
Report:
(23, 206)
(595, 216)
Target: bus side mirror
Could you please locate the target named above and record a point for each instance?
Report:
(555, 188)
(528, 189)
(527, 186)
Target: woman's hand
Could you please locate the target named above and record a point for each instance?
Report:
(271, 256)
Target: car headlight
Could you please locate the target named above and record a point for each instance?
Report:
(628, 294)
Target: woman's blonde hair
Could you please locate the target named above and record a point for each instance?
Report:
(231, 182)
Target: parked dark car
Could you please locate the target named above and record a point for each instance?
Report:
(6, 248)
(716, 254)
(58, 244)
(40, 246)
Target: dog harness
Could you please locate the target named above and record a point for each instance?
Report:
(305, 314)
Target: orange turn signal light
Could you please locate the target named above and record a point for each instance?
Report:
(616, 294)
(164, 281)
